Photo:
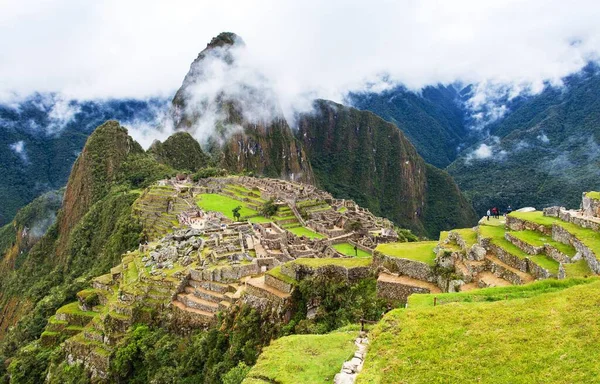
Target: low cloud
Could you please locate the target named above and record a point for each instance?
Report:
(543, 138)
(19, 149)
(487, 151)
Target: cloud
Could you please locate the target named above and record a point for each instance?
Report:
(19, 149)
(487, 151)
(135, 48)
(543, 138)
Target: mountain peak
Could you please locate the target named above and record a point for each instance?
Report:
(224, 39)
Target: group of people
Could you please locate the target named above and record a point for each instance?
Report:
(495, 212)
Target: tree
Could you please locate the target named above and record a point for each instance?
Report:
(236, 212)
(269, 208)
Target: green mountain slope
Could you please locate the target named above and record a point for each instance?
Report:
(180, 151)
(547, 152)
(355, 154)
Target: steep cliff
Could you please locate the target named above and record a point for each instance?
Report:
(356, 154)
(224, 102)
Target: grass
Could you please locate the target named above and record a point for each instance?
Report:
(538, 239)
(535, 217)
(593, 195)
(496, 293)
(73, 309)
(548, 338)
(588, 237)
(348, 250)
(303, 231)
(545, 262)
(578, 269)
(348, 263)
(276, 273)
(342, 210)
(420, 251)
(225, 205)
(304, 358)
(469, 235)
(496, 236)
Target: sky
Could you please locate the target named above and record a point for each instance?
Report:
(143, 48)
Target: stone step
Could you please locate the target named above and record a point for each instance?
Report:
(488, 279)
(257, 287)
(463, 271)
(205, 294)
(475, 266)
(506, 272)
(210, 285)
(121, 308)
(209, 317)
(192, 301)
(224, 305)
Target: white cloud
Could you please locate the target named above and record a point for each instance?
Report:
(543, 138)
(138, 48)
(483, 152)
(490, 150)
(19, 149)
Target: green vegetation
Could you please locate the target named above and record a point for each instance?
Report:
(269, 208)
(509, 341)
(348, 250)
(302, 231)
(346, 142)
(276, 273)
(226, 205)
(469, 235)
(593, 195)
(180, 151)
(304, 358)
(537, 239)
(342, 262)
(588, 237)
(420, 251)
(497, 293)
(496, 236)
(535, 217)
(578, 269)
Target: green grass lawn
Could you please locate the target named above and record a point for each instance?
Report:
(588, 237)
(225, 205)
(347, 262)
(548, 338)
(497, 293)
(348, 250)
(302, 231)
(303, 358)
(496, 234)
(419, 251)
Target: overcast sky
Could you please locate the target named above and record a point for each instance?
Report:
(122, 48)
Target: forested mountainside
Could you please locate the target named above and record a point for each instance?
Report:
(434, 120)
(42, 135)
(544, 152)
(358, 155)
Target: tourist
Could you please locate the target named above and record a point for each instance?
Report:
(508, 210)
(488, 214)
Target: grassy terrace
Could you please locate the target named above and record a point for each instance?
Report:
(276, 273)
(469, 235)
(537, 239)
(548, 338)
(348, 250)
(419, 251)
(496, 234)
(348, 263)
(497, 293)
(303, 359)
(578, 269)
(225, 205)
(303, 231)
(593, 195)
(588, 237)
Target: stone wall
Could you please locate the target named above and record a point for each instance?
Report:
(556, 254)
(228, 273)
(509, 258)
(562, 235)
(591, 207)
(396, 291)
(537, 271)
(415, 269)
(521, 225)
(526, 247)
(278, 284)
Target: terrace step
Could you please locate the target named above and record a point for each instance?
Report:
(205, 294)
(192, 301)
(488, 279)
(207, 316)
(401, 287)
(506, 272)
(258, 287)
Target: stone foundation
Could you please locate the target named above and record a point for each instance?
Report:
(415, 269)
